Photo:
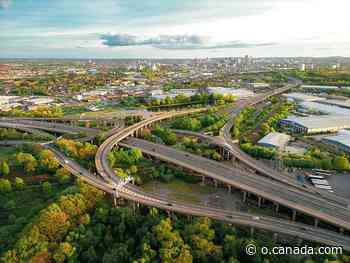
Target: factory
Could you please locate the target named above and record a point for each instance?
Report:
(341, 141)
(298, 97)
(275, 140)
(316, 124)
(160, 94)
(238, 93)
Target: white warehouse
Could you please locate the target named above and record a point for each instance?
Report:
(317, 124)
(275, 140)
(341, 140)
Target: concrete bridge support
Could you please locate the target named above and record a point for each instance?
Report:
(252, 230)
(245, 194)
(277, 208)
(316, 222)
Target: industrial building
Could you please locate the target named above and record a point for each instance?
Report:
(275, 140)
(341, 140)
(238, 93)
(160, 94)
(296, 96)
(316, 124)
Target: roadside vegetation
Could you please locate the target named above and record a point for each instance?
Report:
(13, 134)
(179, 100)
(81, 226)
(40, 112)
(323, 76)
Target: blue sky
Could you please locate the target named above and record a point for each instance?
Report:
(173, 29)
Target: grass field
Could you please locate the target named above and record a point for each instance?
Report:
(179, 190)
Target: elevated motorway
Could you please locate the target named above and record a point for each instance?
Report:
(260, 167)
(274, 191)
(133, 193)
(46, 126)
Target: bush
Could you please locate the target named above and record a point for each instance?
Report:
(5, 186)
(19, 183)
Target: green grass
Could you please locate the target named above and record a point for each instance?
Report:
(180, 191)
(185, 198)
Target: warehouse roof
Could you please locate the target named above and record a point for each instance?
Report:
(343, 138)
(302, 97)
(275, 139)
(317, 122)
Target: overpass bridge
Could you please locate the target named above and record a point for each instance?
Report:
(274, 225)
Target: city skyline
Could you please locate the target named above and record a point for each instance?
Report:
(173, 29)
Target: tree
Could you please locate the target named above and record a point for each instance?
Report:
(63, 175)
(28, 161)
(216, 156)
(19, 183)
(4, 168)
(47, 188)
(172, 247)
(5, 186)
(341, 163)
(119, 254)
(48, 161)
(64, 253)
(200, 236)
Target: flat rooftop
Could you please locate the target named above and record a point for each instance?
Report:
(275, 139)
(343, 138)
(316, 122)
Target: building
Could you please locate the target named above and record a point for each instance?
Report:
(36, 101)
(340, 141)
(257, 85)
(10, 99)
(318, 87)
(296, 96)
(238, 93)
(316, 124)
(275, 140)
(160, 94)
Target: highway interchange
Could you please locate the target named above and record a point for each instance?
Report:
(271, 186)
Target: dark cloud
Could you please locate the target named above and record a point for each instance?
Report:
(174, 42)
(119, 40)
(4, 4)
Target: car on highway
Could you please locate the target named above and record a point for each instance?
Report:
(169, 204)
(66, 161)
(256, 218)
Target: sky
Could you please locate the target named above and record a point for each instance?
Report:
(173, 28)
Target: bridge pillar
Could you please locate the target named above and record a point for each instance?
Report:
(277, 208)
(259, 201)
(229, 189)
(252, 230)
(244, 197)
(316, 222)
(294, 216)
(341, 230)
(275, 237)
(216, 183)
(203, 180)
